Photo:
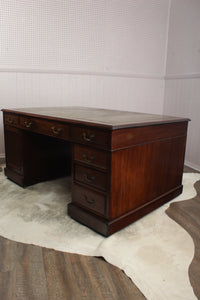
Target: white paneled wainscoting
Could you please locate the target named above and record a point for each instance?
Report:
(182, 84)
(127, 92)
(108, 54)
(182, 98)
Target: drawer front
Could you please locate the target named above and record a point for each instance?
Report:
(89, 199)
(89, 136)
(91, 177)
(46, 127)
(91, 156)
(11, 119)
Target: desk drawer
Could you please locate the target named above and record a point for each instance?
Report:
(11, 119)
(91, 156)
(89, 199)
(46, 127)
(91, 177)
(89, 136)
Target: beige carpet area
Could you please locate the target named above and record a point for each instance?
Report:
(155, 252)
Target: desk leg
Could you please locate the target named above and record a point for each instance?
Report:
(14, 154)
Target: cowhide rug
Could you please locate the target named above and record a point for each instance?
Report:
(155, 252)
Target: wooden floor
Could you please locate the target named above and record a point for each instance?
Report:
(29, 272)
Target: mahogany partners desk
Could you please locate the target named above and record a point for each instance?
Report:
(123, 164)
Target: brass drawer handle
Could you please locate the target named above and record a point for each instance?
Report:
(28, 124)
(56, 131)
(87, 178)
(88, 159)
(10, 120)
(87, 138)
(90, 201)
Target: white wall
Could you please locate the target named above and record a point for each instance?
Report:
(182, 88)
(98, 53)
(124, 37)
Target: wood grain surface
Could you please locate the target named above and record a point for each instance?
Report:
(36, 273)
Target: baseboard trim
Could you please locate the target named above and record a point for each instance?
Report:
(193, 166)
(2, 158)
(182, 76)
(83, 72)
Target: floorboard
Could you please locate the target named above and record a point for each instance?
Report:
(36, 273)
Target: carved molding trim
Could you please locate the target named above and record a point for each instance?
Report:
(84, 72)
